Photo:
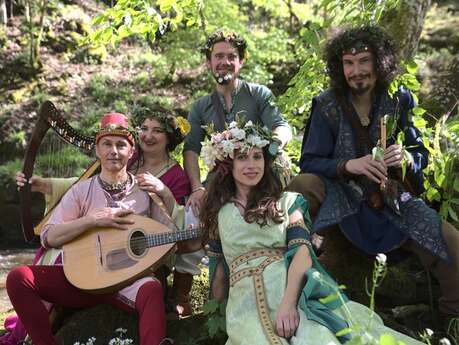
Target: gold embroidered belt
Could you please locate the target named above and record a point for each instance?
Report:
(272, 255)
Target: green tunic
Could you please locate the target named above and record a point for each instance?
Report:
(245, 323)
(250, 101)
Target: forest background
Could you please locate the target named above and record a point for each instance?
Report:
(90, 57)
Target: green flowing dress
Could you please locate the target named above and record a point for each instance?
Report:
(258, 280)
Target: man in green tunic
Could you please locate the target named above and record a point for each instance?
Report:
(225, 56)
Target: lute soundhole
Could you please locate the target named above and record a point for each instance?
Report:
(138, 243)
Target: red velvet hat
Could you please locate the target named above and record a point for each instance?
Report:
(114, 124)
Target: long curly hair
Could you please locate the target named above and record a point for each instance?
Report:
(261, 207)
(382, 46)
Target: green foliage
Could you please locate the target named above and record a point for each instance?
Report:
(293, 150)
(453, 330)
(442, 180)
(8, 171)
(3, 37)
(143, 18)
(216, 322)
(442, 142)
(311, 78)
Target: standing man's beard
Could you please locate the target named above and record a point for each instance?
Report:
(223, 79)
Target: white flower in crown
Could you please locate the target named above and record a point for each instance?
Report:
(233, 124)
(237, 133)
(223, 145)
(227, 147)
(209, 154)
(217, 138)
(255, 140)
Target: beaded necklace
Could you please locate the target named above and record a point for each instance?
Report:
(113, 187)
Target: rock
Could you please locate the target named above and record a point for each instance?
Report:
(404, 283)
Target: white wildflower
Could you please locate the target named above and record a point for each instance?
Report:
(381, 258)
(429, 332)
(316, 275)
(233, 124)
(121, 330)
(249, 124)
(444, 341)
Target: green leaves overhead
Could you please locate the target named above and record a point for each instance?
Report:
(143, 18)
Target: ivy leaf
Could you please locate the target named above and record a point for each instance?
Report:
(411, 67)
(433, 194)
(418, 111)
(419, 122)
(439, 179)
(213, 326)
(456, 184)
(400, 138)
(390, 125)
(210, 307)
(452, 213)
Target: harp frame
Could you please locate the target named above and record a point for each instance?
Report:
(48, 117)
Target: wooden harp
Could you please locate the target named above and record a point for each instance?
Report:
(48, 118)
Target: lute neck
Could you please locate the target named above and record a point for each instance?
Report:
(155, 240)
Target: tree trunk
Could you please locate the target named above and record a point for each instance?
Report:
(43, 8)
(3, 12)
(405, 25)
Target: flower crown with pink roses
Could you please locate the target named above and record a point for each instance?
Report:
(240, 137)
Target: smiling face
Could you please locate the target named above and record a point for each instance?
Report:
(152, 137)
(248, 168)
(114, 152)
(225, 60)
(359, 72)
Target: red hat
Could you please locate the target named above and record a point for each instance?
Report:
(114, 124)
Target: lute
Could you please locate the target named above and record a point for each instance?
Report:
(106, 260)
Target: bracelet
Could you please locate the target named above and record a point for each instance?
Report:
(197, 188)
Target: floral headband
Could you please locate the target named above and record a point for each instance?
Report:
(168, 122)
(242, 137)
(229, 36)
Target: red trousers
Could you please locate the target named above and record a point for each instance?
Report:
(27, 286)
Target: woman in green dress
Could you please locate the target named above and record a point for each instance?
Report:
(260, 255)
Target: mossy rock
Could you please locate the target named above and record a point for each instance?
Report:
(350, 267)
(101, 322)
(90, 55)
